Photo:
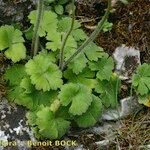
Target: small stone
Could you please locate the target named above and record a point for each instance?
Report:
(127, 60)
(100, 144)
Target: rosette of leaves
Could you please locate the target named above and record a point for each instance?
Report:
(57, 99)
(99, 76)
(11, 41)
(51, 113)
(141, 83)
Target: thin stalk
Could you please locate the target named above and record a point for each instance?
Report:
(61, 62)
(116, 97)
(131, 91)
(35, 39)
(92, 36)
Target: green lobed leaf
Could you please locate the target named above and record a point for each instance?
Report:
(92, 115)
(107, 26)
(86, 77)
(28, 96)
(11, 40)
(59, 9)
(144, 99)
(78, 64)
(15, 94)
(93, 52)
(15, 74)
(44, 74)
(65, 23)
(55, 41)
(109, 91)
(48, 23)
(79, 35)
(77, 95)
(50, 126)
(55, 105)
(9, 35)
(141, 79)
(104, 66)
(16, 52)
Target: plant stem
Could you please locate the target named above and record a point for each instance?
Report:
(61, 62)
(92, 36)
(35, 39)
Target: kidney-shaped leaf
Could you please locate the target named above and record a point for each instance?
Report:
(78, 95)
(49, 126)
(44, 74)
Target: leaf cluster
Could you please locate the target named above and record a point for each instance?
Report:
(55, 98)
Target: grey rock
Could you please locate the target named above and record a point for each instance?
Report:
(13, 126)
(106, 128)
(102, 144)
(127, 107)
(127, 60)
(15, 11)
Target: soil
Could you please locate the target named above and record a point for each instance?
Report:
(134, 132)
(15, 11)
(3, 66)
(129, 61)
(131, 25)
